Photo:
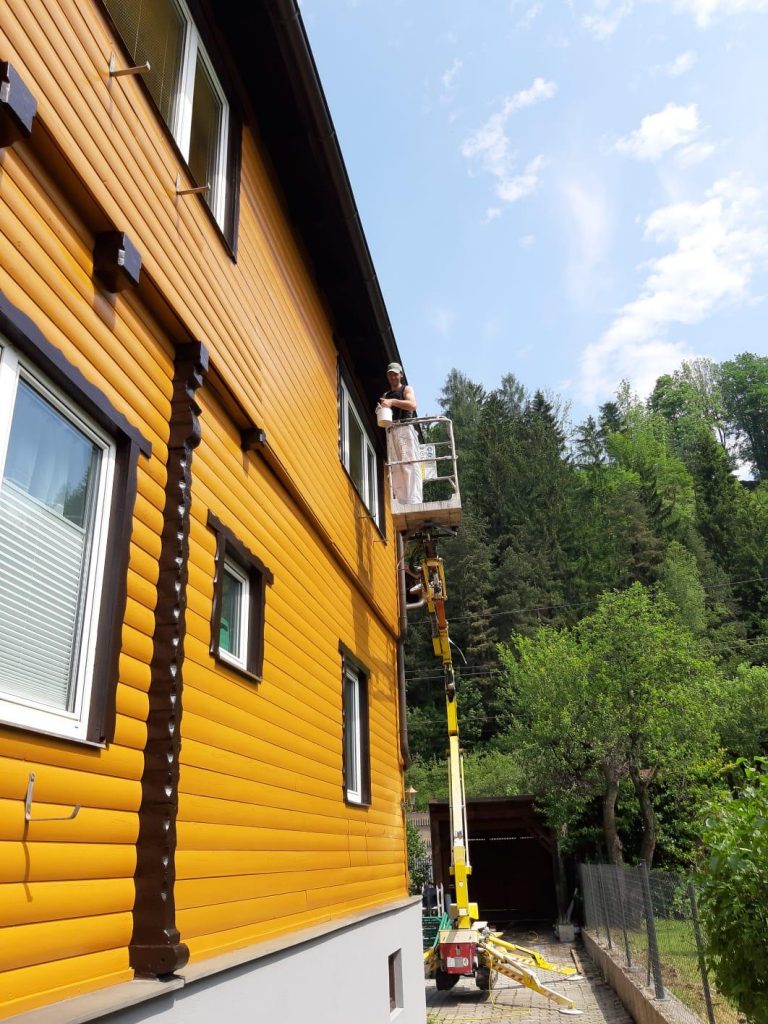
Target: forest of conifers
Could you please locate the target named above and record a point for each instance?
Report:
(608, 598)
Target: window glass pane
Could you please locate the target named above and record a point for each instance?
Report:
(356, 465)
(206, 129)
(46, 516)
(49, 458)
(372, 494)
(153, 30)
(352, 734)
(230, 635)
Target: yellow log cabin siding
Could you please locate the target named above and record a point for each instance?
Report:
(66, 887)
(266, 843)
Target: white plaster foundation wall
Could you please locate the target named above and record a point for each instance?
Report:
(339, 978)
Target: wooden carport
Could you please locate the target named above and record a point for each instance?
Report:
(514, 857)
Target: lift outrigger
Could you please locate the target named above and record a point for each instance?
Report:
(467, 947)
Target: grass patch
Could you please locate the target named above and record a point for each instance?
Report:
(679, 967)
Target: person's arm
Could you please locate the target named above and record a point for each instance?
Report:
(407, 402)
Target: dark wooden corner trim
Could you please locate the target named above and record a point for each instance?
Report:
(116, 261)
(259, 577)
(156, 948)
(17, 106)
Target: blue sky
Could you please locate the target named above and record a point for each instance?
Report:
(575, 191)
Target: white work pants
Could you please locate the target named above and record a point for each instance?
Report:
(402, 446)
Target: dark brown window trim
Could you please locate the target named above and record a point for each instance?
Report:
(24, 335)
(18, 106)
(229, 233)
(379, 446)
(350, 662)
(259, 578)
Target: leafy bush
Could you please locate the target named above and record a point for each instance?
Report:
(734, 894)
(418, 859)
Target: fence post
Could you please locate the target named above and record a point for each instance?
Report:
(605, 905)
(653, 945)
(700, 951)
(620, 892)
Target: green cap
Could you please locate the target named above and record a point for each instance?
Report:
(395, 368)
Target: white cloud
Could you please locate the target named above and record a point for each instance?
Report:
(489, 146)
(696, 153)
(589, 224)
(706, 12)
(607, 18)
(716, 247)
(491, 214)
(527, 241)
(521, 185)
(448, 76)
(530, 15)
(682, 64)
(673, 126)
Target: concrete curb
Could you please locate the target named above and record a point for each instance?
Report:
(639, 1001)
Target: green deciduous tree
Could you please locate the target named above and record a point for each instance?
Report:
(734, 894)
(744, 383)
(623, 695)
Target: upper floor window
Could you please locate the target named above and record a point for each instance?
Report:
(358, 453)
(56, 474)
(184, 86)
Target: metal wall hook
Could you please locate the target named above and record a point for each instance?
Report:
(28, 804)
(189, 191)
(115, 72)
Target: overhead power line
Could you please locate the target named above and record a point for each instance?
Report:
(578, 604)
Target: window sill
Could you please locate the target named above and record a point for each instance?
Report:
(34, 730)
(252, 677)
(364, 805)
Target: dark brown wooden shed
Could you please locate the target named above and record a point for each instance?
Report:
(514, 859)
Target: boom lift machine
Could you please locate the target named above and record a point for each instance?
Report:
(465, 946)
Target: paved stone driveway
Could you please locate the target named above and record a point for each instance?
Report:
(466, 1004)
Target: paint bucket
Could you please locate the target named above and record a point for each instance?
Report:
(383, 416)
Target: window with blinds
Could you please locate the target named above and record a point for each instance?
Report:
(56, 471)
(184, 86)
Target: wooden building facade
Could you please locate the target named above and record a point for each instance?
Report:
(199, 623)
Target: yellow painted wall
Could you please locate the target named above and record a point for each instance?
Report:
(66, 888)
(266, 843)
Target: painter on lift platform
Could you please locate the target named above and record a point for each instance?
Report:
(402, 439)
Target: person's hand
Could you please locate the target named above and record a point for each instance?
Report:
(385, 402)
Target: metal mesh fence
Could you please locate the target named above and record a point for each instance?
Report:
(649, 920)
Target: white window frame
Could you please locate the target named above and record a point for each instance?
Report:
(181, 122)
(239, 659)
(370, 488)
(353, 727)
(15, 710)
